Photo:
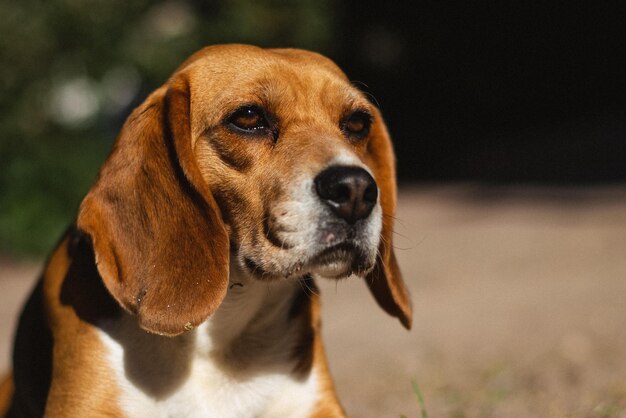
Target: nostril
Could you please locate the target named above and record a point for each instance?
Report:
(350, 191)
(371, 193)
(339, 192)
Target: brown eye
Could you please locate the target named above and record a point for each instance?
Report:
(249, 119)
(358, 124)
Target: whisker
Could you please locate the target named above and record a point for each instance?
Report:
(400, 234)
(306, 288)
(313, 292)
(362, 86)
(252, 229)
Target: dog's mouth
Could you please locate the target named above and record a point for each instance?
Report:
(336, 261)
(341, 260)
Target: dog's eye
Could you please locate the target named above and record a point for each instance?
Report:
(357, 124)
(250, 119)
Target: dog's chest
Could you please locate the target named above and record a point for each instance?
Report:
(208, 392)
(237, 364)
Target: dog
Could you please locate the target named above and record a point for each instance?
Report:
(186, 286)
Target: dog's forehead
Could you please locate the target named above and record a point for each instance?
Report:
(235, 57)
(240, 73)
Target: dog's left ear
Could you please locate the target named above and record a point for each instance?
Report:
(385, 281)
(160, 244)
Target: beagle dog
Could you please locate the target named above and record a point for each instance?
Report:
(186, 286)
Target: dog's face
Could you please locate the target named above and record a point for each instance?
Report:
(271, 156)
(284, 151)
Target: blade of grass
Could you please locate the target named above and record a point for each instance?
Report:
(420, 398)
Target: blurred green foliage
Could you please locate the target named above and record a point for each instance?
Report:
(71, 70)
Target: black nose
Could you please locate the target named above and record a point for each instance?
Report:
(350, 191)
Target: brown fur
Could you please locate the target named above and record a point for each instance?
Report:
(177, 192)
(6, 393)
(81, 383)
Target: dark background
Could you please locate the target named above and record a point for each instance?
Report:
(498, 92)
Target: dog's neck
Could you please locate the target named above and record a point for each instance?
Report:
(253, 310)
(259, 340)
(253, 313)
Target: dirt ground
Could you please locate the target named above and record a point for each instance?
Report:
(519, 302)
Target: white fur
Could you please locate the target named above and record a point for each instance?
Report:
(237, 364)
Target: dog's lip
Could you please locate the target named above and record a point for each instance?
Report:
(270, 233)
(347, 252)
(348, 247)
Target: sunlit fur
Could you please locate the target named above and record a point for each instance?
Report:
(186, 286)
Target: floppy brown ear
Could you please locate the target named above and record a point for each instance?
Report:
(385, 281)
(160, 243)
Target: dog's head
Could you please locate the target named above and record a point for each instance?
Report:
(270, 156)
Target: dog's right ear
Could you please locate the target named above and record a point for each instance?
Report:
(159, 240)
